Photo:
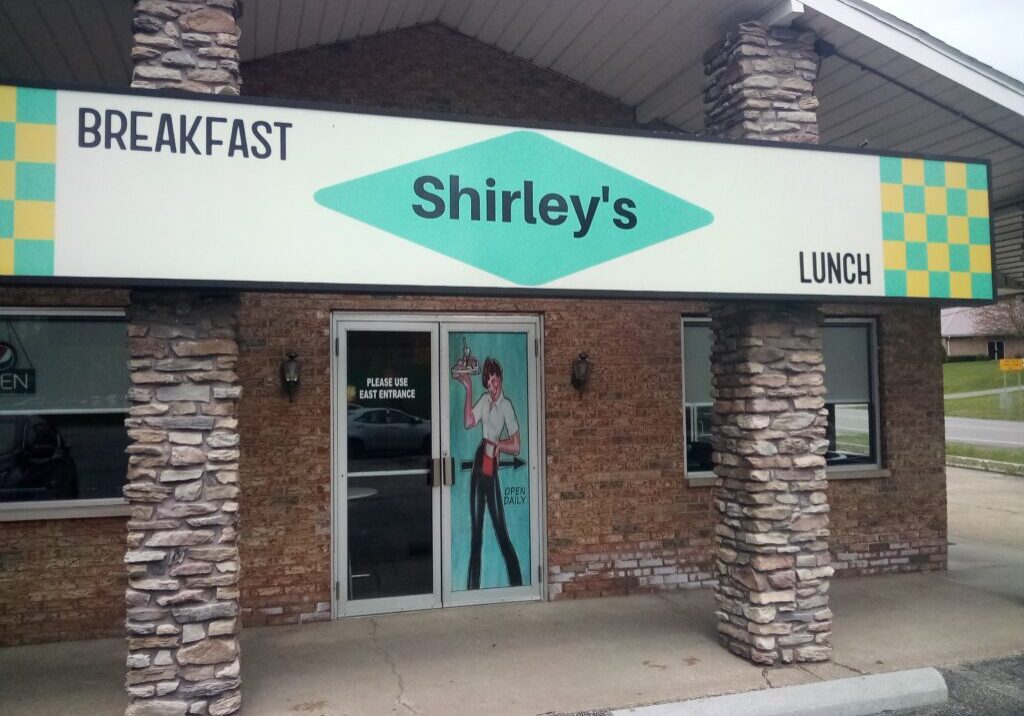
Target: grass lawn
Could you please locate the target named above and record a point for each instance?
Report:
(974, 375)
(987, 407)
(856, 443)
(1003, 454)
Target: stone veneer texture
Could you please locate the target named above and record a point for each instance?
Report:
(760, 85)
(182, 486)
(769, 439)
(190, 46)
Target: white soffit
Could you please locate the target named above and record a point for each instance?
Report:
(919, 46)
(646, 53)
(902, 105)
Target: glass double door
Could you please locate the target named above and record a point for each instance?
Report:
(436, 462)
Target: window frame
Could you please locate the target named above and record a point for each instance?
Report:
(66, 509)
(697, 478)
(873, 469)
(701, 478)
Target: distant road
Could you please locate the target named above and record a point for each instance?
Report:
(1003, 433)
(975, 431)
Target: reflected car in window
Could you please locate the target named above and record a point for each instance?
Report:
(387, 431)
(35, 461)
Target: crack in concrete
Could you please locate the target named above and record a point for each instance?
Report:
(851, 668)
(664, 598)
(809, 672)
(400, 696)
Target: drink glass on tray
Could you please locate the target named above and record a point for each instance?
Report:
(467, 364)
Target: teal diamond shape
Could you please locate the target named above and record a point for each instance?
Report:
(541, 209)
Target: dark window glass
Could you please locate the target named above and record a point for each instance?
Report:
(388, 431)
(388, 401)
(849, 379)
(62, 434)
(850, 392)
(697, 390)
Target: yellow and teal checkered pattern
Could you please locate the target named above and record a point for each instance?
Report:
(935, 229)
(28, 163)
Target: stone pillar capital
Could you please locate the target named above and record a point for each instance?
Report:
(190, 46)
(760, 85)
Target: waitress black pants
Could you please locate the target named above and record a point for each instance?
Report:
(484, 491)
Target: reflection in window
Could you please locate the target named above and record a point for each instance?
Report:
(849, 379)
(388, 387)
(62, 434)
(697, 394)
(850, 396)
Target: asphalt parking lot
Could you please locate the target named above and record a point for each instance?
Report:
(994, 687)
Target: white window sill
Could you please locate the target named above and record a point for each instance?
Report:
(702, 479)
(63, 509)
(865, 473)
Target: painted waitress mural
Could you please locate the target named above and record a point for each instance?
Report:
(490, 510)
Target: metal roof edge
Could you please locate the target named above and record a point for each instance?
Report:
(916, 44)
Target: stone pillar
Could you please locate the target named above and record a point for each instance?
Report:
(772, 552)
(769, 437)
(182, 556)
(182, 553)
(760, 85)
(190, 46)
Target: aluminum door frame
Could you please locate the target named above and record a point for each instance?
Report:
(341, 604)
(496, 595)
(339, 450)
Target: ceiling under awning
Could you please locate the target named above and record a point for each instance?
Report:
(887, 86)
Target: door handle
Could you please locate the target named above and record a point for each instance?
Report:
(447, 469)
(436, 477)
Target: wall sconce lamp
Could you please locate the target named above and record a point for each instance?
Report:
(581, 370)
(290, 375)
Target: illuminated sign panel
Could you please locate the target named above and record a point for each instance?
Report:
(135, 188)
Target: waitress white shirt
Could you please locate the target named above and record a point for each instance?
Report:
(495, 416)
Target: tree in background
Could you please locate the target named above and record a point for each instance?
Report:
(1004, 318)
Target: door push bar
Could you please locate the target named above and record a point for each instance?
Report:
(436, 476)
(442, 471)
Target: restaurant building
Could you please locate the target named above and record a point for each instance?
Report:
(476, 302)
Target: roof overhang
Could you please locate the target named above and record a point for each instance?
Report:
(888, 86)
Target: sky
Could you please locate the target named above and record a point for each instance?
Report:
(989, 30)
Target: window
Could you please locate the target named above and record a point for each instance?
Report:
(848, 346)
(63, 399)
(697, 394)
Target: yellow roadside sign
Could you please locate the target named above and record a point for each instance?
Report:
(1011, 364)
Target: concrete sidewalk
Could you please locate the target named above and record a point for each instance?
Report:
(506, 660)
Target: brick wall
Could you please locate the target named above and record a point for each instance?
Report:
(620, 518)
(431, 69)
(61, 579)
(898, 523)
